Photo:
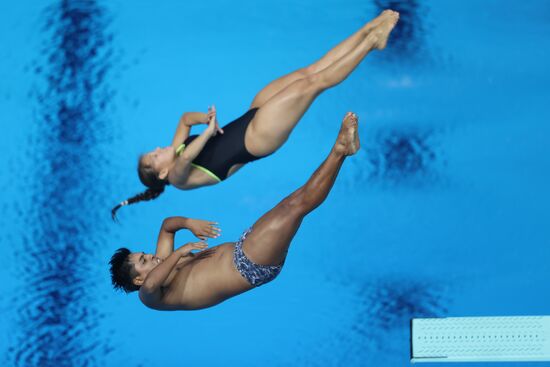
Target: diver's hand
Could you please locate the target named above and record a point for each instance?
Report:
(186, 249)
(203, 229)
(211, 130)
(213, 127)
(211, 113)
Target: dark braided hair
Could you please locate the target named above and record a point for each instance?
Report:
(122, 271)
(149, 178)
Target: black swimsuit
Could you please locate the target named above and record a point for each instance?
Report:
(223, 151)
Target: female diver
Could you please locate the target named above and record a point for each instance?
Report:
(209, 158)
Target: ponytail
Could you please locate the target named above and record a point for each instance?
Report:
(149, 178)
(148, 194)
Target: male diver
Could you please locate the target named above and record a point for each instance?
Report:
(182, 280)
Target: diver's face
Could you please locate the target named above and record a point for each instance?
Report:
(143, 263)
(160, 158)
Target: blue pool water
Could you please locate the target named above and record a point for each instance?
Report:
(442, 213)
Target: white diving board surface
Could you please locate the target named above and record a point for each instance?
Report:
(481, 339)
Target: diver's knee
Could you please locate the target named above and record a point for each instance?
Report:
(296, 203)
(309, 70)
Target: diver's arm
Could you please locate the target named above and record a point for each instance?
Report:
(187, 120)
(150, 291)
(195, 147)
(182, 132)
(165, 241)
(182, 167)
(194, 118)
(192, 150)
(202, 229)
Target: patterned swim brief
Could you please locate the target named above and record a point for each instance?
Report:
(255, 274)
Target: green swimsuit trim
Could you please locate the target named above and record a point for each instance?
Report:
(180, 149)
(208, 172)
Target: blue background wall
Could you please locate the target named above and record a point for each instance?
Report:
(442, 213)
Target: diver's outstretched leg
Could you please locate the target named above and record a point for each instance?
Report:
(275, 120)
(334, 54)
(271, 235)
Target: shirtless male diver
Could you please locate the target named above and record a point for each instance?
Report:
(183, 280)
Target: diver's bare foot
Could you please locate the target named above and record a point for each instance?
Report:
(347, 142)
(381, 33)
(377, 21)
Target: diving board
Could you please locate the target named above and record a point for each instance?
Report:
(481, 339)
